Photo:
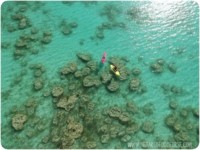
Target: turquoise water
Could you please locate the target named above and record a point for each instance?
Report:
(160, 41)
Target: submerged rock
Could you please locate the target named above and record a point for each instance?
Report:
(18, 121)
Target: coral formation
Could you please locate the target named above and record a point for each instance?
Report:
(92, 65)
(105, 138)
(115, 112)
(148, 127)
(63, 103)
(38, 84)
(57, 91)
(172, 68)
(156, 68)
(85, 71)
(131, 107)
(18, 121)
(23, 21)
(134, 84)
(74, 129)
(126, 138)
(84, 57)
(148, 109)
(90, 81)
(113, 86)
(106, 77)
(47, 37)
(69, 68)
(91, 145)
(67, 27)
(136, 71)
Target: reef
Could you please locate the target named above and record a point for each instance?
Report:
(72, 99)
(83, 104)
(182, 126)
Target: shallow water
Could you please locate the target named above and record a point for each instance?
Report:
(160, 40)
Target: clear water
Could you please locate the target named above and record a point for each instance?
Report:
(137, 35)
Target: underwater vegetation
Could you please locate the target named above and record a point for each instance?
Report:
(75, 101)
